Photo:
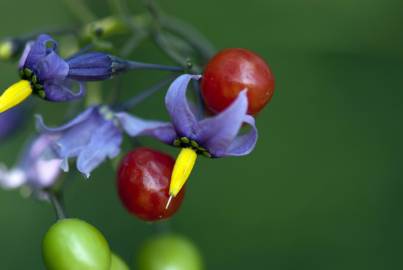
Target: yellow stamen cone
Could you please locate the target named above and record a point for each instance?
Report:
(182, 169)
(14, 95)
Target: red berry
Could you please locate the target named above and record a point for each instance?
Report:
(231, 71)
(143, 182)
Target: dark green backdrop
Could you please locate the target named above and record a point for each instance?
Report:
(323, 188)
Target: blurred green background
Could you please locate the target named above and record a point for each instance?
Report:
(323, 188)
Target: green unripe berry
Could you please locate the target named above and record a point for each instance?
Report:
(73, 244)
(117, 263)
(169, 252)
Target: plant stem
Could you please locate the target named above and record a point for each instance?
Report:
(80, 10)
(162, 227)
(119, 7)
(200, 45)
(56, 201)
(138, 34)
(153, 9)
(191, 35)
(144, 94)
(131, 65)
(94, 94)
(168, 49)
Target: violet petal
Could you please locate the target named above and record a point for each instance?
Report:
(105, 142)
(219, 132)
(135, 126)
(183, 119)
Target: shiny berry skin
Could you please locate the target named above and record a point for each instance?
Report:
(232, 70)
(143, 182)
(168, 251)
(75, 244)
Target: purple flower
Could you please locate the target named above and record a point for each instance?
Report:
(212, 137)
(39, 167)
(91, 137)
(53, 77)
(96, 134)
(48, 73)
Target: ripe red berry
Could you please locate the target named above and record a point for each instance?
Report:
(143, 182)
(231, 71)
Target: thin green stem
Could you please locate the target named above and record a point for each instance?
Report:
(144, 94)
(162, 227)
(132, 65)
(163, 23)
(138, 34)
(133, 42)
(80, 10)
(153, 9)
(57, 202)
(119, 7)
(168, 49)
(94, 94)
(201, 44)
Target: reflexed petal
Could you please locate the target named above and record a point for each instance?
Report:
(135, 126)
(105, 142)
(84, 116)
(219, 132)
(52, 67)
(244, 144)
(60, 91)
(183, 119)
(43, 45)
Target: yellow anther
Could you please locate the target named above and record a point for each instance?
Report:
(182, 169)
(14, 95)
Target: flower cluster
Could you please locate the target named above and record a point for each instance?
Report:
(234, 86)
(97, 133)
(45, 73)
